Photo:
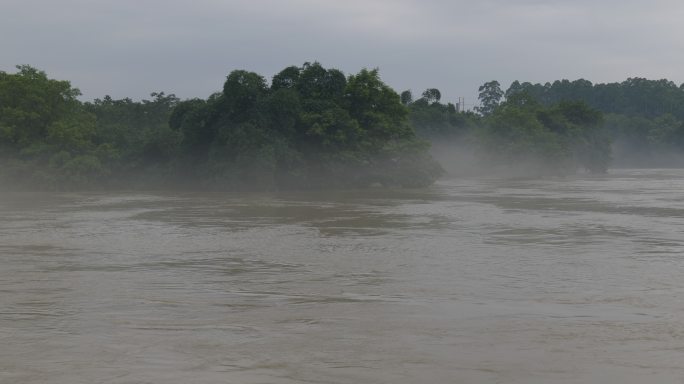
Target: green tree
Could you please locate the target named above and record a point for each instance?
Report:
(242, 92)
(312, 127)
(490, 97)
(406, 97)
(432, 95)
(377, 108)
(30, 103)
(287, 78)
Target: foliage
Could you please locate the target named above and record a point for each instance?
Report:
(432, 95)
(406, 97)
(433, 120)
(141, 147)
(312, 127)
(644, 117)
(490, 97)
(44, 127)
(545, 140)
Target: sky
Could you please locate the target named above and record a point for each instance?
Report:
(127, 48)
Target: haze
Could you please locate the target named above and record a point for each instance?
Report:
(129, 49)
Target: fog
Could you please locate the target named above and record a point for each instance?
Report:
(627, 155)
(466, 159)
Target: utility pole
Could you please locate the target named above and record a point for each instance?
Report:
(461, 104)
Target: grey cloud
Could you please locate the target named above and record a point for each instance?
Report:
(131, 48)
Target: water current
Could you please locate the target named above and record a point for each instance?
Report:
(575, 280)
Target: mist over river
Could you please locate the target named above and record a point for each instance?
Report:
(575, 280)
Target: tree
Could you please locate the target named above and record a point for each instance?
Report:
(490, 97)
(316, 82)
(30, 103)
(406, 97)
(585, 134)
(376, 107)
(521, 99)
(242, 91)
(515, 88)
(436, 121)
(432, 95)
(311, 127)
(287, 78)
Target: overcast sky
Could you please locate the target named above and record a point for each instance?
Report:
(131, 48)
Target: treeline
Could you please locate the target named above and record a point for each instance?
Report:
(641, 124)
(311, 127)
(516, 136)
(644, 118)
(632, 97)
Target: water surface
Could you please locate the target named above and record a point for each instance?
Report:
(471, 281)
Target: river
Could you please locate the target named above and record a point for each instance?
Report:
(576, 280)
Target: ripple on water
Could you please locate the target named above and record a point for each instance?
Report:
(474, 280)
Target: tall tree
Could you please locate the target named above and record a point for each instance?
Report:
(490, 97)
(432, 95)
(406, 97)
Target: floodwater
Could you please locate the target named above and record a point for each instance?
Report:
(577, 280)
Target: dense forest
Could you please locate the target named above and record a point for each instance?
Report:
(518, 136)
(312, 127)
(644, 118)
(557, 127)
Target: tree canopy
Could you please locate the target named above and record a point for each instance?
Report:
(644, 118)
(311, 127)
(315, 127)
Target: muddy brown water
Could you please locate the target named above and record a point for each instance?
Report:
(577, 280)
